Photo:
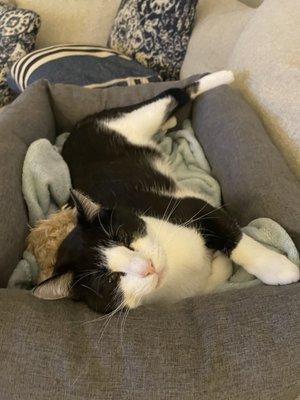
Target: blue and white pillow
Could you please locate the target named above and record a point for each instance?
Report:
(156, 33)
(89, 66)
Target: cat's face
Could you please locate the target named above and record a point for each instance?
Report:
(110, 260)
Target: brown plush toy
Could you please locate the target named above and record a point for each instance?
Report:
(45, 238)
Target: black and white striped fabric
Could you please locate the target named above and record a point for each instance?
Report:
(89, 66)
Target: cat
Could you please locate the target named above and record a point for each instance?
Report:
(139, 238)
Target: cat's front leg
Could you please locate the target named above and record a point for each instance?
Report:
(269, 266)
(221, 232)
(221, 270)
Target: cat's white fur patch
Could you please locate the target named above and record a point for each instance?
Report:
(269, 266)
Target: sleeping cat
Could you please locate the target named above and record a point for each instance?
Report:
(139, 237)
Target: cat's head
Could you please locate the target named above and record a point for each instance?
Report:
(109, 260)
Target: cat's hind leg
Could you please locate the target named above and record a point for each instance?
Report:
(139, 123)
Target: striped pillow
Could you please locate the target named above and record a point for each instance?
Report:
(89, 66)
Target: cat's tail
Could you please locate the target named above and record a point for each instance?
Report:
(208, 82)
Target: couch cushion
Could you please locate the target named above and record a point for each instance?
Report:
(73, 21)
(235, 345)
(219, 24)
(266, 61)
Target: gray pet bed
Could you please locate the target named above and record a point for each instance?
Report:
(235, 345)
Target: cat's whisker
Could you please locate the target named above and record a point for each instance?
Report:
(123, 321)
(104, 230)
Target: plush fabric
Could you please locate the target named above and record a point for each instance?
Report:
(238, 345)
(218, 26)
(73, 21)
(266, 60)
(90, 66)
(46, 180)
(154, 32)
(18, 30)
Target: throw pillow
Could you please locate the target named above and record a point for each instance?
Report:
(89, 66)
(73, 21)
(154, 32)
(18, 30)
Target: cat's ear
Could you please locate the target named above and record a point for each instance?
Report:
(86, 208)
(54, 288)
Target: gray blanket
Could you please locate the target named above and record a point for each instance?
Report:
(46, 182)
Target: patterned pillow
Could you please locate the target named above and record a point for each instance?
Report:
(89, 66)
(155, 32)
(18, 30)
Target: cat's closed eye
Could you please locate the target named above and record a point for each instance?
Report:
(113, 277)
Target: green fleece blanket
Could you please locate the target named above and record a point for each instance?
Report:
(46, 183)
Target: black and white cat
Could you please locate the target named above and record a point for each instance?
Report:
(139, 238)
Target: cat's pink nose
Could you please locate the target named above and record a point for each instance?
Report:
(149, 269)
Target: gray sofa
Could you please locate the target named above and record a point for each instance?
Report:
(236, 345)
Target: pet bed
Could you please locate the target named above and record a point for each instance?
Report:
(46, 183)
(220, 340)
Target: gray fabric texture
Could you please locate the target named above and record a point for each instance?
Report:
(27, 119)
(241, 345)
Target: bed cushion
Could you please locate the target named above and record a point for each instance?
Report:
(254, 176)
(239, 345)
(154, 32)
(18, 30)
(89, 66)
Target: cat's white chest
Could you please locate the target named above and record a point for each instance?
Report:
(187, 261)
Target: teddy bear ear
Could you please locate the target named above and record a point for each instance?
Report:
(86, 208)
(54, 288)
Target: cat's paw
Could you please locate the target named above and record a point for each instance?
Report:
(169, 124)
(277, 269)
